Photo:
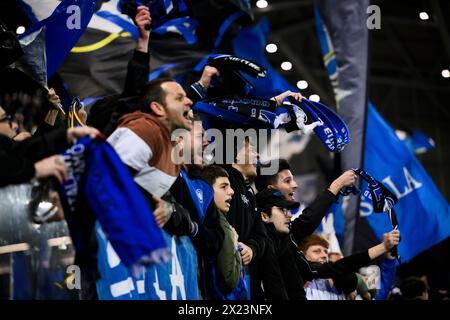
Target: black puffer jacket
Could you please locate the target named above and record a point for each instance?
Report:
(17, 158)
(278, 269)
(243, 214)
(246, 219)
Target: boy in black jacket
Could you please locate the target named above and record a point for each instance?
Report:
(310, 218)
(244, 215)
(278, 270)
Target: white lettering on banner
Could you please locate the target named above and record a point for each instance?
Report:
(366, 208)
(122, 288)
(74, 159)
(160, 293)
(176, 277)
(412, 184)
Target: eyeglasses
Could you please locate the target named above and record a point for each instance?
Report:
(7, 118)
(285, 211)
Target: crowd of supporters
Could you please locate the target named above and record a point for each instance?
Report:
(248, 245)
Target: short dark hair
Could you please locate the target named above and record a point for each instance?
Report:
(263, 181)
(101, 112)
(212, 172)
(412, 288)
(153, 91)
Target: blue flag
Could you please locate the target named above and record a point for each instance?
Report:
(423, 213)
(172, 280)
(344, 38)
(47, 43)
(96, 172)
(418, 142)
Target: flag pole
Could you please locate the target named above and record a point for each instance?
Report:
(59, 105)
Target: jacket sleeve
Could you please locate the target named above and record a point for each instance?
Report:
(341, 267)
(293, 282)
(346, 283)
(43, 128)
(195, 92)
(14, 169)
(39, 147)
(137, 73)
(210, 235)
(229, 261)
(257, 238)
(272, 279)
(179, 223)
(311, 217)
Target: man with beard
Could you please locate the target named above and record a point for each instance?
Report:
(197, 197)
(143, 142)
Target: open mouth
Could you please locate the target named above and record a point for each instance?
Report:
(188, 115)
(291, 194)
(227, 202)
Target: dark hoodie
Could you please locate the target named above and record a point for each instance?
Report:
(246, 219)
(278, 269)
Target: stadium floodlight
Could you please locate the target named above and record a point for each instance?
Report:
(262, 4)
(424, 16)
(286, 65)
(271, 48)
(302, 84)
(314, 97)
(20, 30)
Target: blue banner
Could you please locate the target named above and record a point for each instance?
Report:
(59, 33)
(423, 213)
(172, 280)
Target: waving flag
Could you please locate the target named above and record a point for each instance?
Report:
(175, 279)
(416, 141)
(109, 192)
(343, 35)
(423, 213)
(48, 42)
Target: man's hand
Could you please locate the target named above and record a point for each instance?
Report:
(162, 211)
(207, 75)
(53, 166)
(235, 236)
(279, 98)
(22, 136)
(83, 114)
(141, 20)
(346, 179)
(80, 132)
(246, 253)
(352, 295)
(391, 239)
(53, 98)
